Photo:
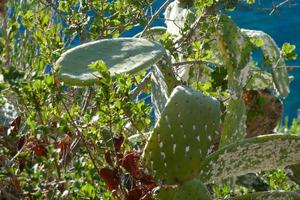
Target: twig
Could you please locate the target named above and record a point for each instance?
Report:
(134, 93)
(81, 137)
(275, 8)
(191, 63)
(154, 17)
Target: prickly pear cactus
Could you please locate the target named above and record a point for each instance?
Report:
(183, 136)
(121, 55)
(251, 155)
(271, 52)
(235, 49)
(234, 126)
(163, 81)
(269, 195)
(259, 79)
(153, 33)
(193, 189)
(166, 193)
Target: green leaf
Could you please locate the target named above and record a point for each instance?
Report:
(288, 50)
(122, 55)
(251, 155)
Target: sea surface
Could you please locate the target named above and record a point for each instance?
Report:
(283, 25)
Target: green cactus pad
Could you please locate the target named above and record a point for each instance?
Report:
(165, 193)
(153, 33)
(234, 126)
(193, 189)
(121, 55)
(272, 54)
(183, 136)
(251, 155)
(269, 195)
(233, 44)
(163, 81)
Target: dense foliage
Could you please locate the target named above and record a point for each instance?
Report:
(58, 140)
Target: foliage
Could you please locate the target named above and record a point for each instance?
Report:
(91, 135)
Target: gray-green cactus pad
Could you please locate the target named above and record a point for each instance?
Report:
(121, 55)
(194, 190)
(272, 53)
(269, 196)
(153, 33)
(251, 155)
(259, 79)
(234, 126)
(182, 136)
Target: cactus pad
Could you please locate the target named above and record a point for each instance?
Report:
(234, 127)
(183, 136)
(193, 189)
(165, 193)
(251, 155)
(122, 55)
(153, 33)
(271, 53)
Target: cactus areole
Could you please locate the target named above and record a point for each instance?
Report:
(121, 55)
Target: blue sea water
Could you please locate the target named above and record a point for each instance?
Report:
(283, 25)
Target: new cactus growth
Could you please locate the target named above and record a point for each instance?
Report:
(154, 33)
(183, 136)
(122, 55)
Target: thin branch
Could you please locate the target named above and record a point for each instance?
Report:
(134, 93)
(177, 64)
(276, 7)
(156, 14)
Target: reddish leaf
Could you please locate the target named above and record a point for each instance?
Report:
(134, 194)
(108, 159)
(118, 142)
(111, 178)
(148, 182)
(131, 163)
(22, 163)
(39, 150)
(21, 143)
(15, 125)
(63, 145)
